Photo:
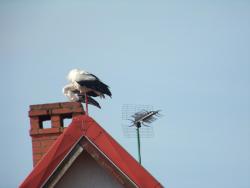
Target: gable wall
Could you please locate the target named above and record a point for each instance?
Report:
(85, 172)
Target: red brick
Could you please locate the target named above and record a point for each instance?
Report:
(38, 112)
(47, 143)
(36, 144)
(50, 130)
(41, 141)
(56, 124)
(71, 105)
(56, 121)
(66, 111)
(42, 137)
(37, 156)
(36, 107)
(40, 150)
(44, 106)
(46, 131)
(51, 106)
(35, 148)
(34, 123)
(55, 118)
(55, 105)
(61, 111)
(33, 132)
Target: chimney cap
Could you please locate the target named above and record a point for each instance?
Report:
(55, 105)
(61, 108)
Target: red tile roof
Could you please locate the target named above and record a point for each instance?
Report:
(84, 126)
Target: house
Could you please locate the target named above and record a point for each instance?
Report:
(80, 155)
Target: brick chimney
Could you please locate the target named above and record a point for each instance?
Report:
(43, 137)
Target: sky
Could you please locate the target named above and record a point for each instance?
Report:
(191, 59)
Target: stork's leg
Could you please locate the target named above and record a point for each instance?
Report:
(86, 103)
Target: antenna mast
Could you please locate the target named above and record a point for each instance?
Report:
(140, 116)
(138, 125)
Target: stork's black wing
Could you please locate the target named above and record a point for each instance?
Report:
(96, 85)
(90, 93)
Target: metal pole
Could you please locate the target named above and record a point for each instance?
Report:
(86, 103)
(138, 140)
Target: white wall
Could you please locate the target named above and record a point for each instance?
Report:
(85, 172)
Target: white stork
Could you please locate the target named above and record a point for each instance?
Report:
(88, 84)
(74, 95)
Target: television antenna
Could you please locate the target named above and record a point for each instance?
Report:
(140, 117)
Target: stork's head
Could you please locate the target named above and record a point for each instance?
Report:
(72, 74)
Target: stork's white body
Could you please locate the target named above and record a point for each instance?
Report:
(87, 84)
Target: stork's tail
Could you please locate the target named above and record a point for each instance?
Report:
(90, 101)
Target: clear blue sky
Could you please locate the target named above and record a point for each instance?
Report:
(189, 58)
